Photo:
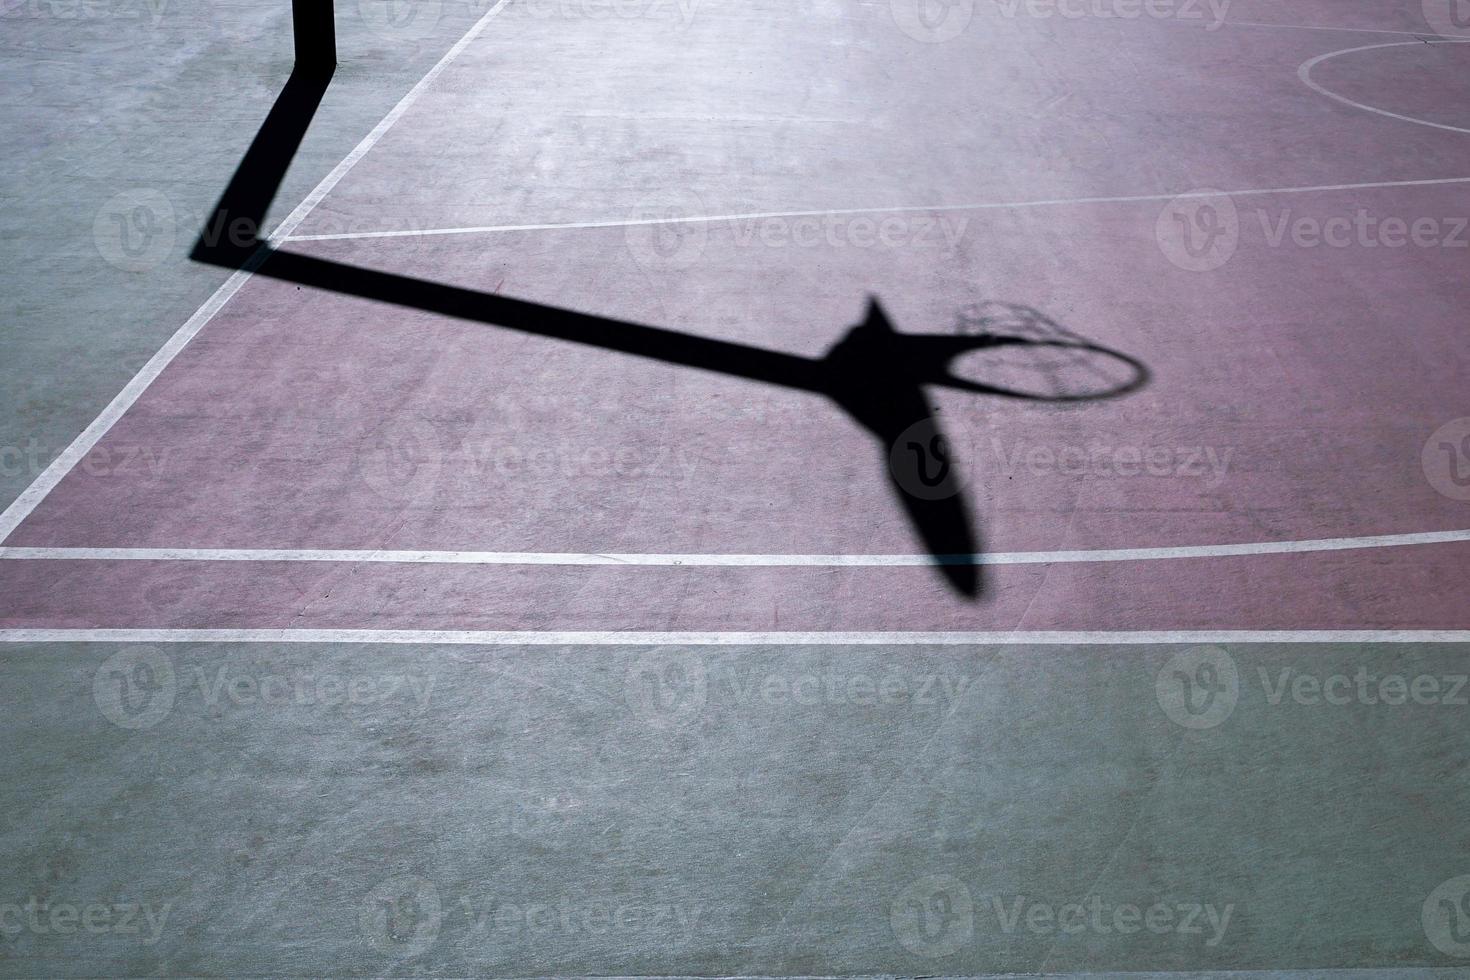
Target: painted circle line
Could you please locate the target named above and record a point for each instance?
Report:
(1305, 74)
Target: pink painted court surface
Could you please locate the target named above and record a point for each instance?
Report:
(1268, 213)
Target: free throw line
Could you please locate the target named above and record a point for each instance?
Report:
(644, 638)
(842, 212)
(729, 560)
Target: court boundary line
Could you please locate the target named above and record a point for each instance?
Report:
(725, 638)
(1430, 34)
(896, 209)
(41, 487)
(731, 560)
(1304, 72)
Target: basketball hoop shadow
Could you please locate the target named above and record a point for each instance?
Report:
(876, 374)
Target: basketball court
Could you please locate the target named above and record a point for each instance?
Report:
(1081, 362)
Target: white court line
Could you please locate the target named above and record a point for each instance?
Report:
(728, 560)
(1427, 33)
(646, 638)
(1305, 74)
(22, 506)
(902, 209)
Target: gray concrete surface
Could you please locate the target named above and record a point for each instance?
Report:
(367, 810)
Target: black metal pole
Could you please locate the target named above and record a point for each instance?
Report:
(316, 35)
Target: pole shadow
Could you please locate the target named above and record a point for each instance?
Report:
(874, 373)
